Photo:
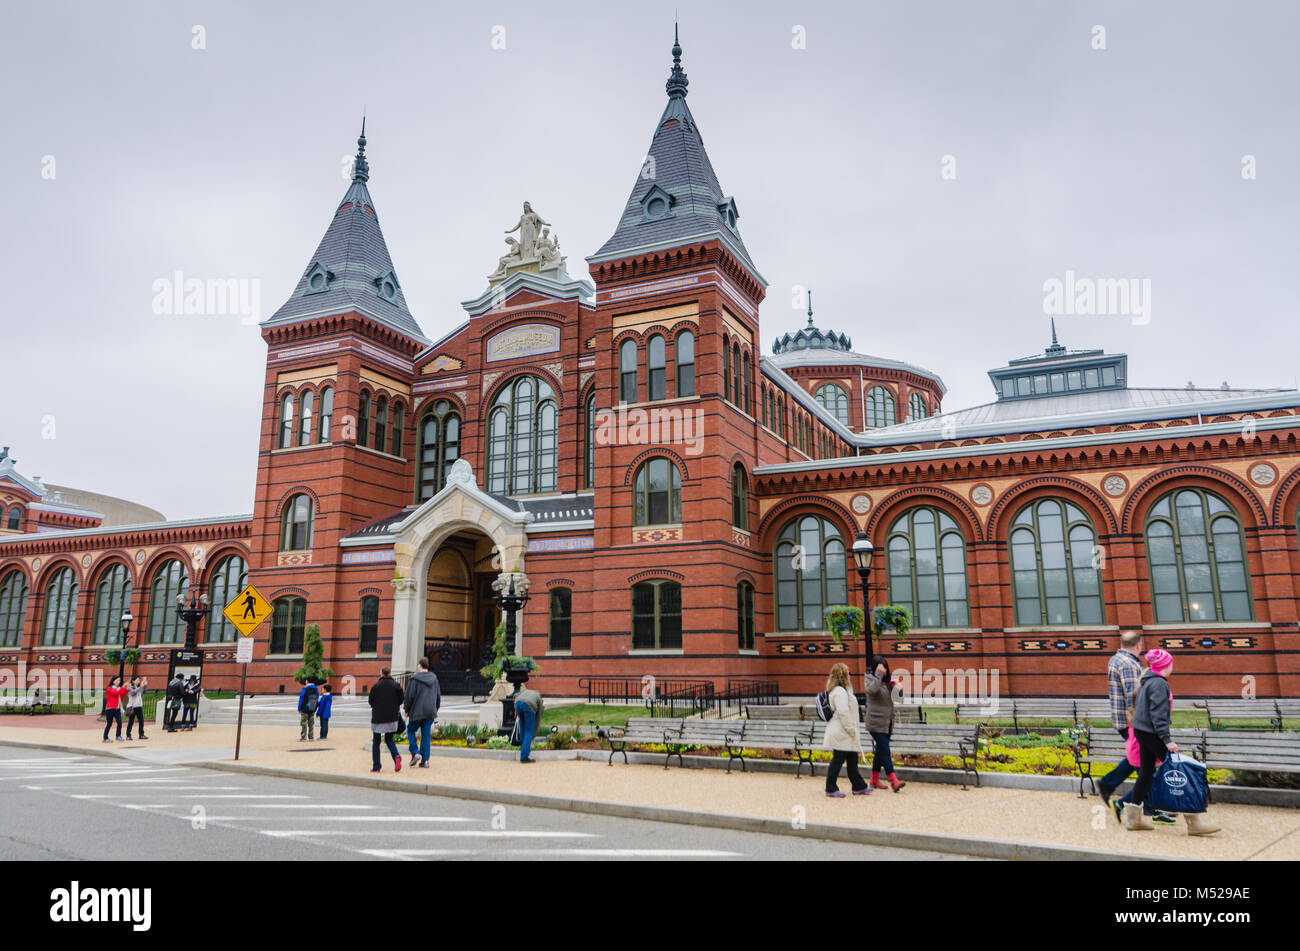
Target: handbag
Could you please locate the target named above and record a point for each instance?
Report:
(401, 724)
(1181, 785)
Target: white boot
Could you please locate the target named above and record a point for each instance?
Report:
(1198, 823)
(1134, 819)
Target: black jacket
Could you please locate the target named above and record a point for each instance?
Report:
(1151, 708)
(423, 696)
(385, 701)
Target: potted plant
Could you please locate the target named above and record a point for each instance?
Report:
(844, 620)
(891, 617)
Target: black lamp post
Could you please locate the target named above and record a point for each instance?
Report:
(197, 611)
(510, 602)
(127, 618)
(862, 552)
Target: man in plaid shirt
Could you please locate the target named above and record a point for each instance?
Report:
(1122, 676)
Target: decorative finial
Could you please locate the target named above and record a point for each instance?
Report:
(1055, 348)
(360, 167)
(810, 323)
(677, 81)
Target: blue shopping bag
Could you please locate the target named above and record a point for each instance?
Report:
(1180, 786)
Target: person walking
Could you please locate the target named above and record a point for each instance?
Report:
(1151, 717)
(323, 709)
(385, 717)
(114, 694)
(842, 737)
(422, 699)
(308, 701)
(173, 696)
(528, 710)
(1123, 671)
(880, 724)
(135, 705)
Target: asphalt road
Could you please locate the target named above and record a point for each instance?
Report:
(65, 806)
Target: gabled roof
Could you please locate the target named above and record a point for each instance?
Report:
(351, 269)
(677, 165)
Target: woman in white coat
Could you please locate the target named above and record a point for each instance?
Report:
(842, 737)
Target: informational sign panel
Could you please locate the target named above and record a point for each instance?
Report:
(244, 651)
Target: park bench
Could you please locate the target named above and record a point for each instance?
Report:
(936, 739)
(26, 705)
(1076, 710)
(1263, 708)
(798, 736)
(903, 712)
(1104, 747)
(1262, 751)
(641, 730)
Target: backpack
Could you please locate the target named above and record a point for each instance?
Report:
(309, 702)
(824, 711)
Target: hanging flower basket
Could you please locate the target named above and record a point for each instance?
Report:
(891, 617)
(843, 620)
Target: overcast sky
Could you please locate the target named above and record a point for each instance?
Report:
(224, 161)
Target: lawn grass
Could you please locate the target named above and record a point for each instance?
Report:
(581, 714)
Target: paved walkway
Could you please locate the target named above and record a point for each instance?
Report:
(1048, 818)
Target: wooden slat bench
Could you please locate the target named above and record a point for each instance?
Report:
(935, 739)
(1263, 751)
(1104, 747)
(641, 730)
(903, 712)
(1265, 708)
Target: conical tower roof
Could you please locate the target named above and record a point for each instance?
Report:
(676, 198)
(352, 269)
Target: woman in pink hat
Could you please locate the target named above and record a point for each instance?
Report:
(1151, 715)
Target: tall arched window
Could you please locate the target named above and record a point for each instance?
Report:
(739, 497)
(748, 383)
(561, 629)
(657, 368)
(288, 624)
(726, 368)
(916, 407)
(627, 371)
(439, 448)
(326, 412)
(296, 523)
(880, 407)
(745, 616)
(657, 493)
(1197, 559)
(13, 609)
(927, 568)
(60, 609)
(684, 353)
(1055, 579)
(656, 615)
(780, 417)
(170, 581)
(15, 518)
(765, 397)
(287, 421)
(810, 573)
(737, 393)
(363, 419)
(589, 441)
(397, 421)
(112, 598)
(305, 430)
(836, 401)
(381, 423)
(522, 442)
(228, 579)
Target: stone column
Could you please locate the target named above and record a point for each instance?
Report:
(407, 642)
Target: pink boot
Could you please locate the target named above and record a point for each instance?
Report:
(895, 782)
(875, 780)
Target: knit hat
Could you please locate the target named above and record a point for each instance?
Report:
(1159, 660)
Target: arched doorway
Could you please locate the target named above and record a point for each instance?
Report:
(460, 614)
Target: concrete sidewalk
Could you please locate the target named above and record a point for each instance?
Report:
(1011, 822)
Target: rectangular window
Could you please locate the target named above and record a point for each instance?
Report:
(745, 616)
(1090, 379)
(561, 633)
(1040, 383)
(368, 643)
(1107, 376)
(1022, 386)
(1073, 380)
(1058, 382)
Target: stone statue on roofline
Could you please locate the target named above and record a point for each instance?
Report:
(536, 249)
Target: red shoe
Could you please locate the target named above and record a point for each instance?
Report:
(875, 780)
(895, 782)
(397, 764)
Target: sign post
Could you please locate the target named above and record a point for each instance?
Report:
(246, 613)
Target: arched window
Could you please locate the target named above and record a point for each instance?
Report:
(170, 581)
(916, 407)
(13, 609)
(765, 398)
(737, 394)
(780, 417)
(684, 352)
(15, 518)
(522, 442)
(228, 579)
(326, 412)
(927, 568)
(296, 523)
(288, 622)
(112, 598)
(656, 615)
(749, 386)
(745, 616)
(739, 497)
(627, 371)
(368, 642)
(439, 448)
(286, 421)
(657, 363)
(561, 630)
(657, 493)
(726, 369)
(1197, 559)
(589, 429)
(381, 423)
(1054, 575)
(305, 430)
(363, 419)
(810, 573)
(836, 401)
(880, 407)
(395, 429)
(60, 609)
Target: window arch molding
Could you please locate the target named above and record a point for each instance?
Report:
(1235, 492)
(439, 436)
(796, 505)
(656, 451)
(297, 523)
(662, 506)
(1072, 491)
(1198, 564)
(504, 408)
(887, 510)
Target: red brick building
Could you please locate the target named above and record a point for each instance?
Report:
(677, 503)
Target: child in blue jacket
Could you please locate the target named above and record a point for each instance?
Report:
(323, 709)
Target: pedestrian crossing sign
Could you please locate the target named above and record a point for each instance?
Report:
(247, 611)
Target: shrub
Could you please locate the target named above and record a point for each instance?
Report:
(313, 655)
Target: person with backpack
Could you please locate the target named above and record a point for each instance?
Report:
(135, 705)
(841, 733)
(422, 699)
(385, 699)
(308, 700)
(323, 708)
(880, 724)
(114, 694)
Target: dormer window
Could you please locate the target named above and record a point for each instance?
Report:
(656, 204)
(318, 279)
(387, 286)
(728, 213)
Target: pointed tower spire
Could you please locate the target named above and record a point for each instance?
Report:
(677, 81)
(361, 168)
(1055, 349)
(810, 323)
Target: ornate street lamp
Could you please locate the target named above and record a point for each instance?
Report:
(862, 552)
(127, 618)
(191, 615)
(511, 602)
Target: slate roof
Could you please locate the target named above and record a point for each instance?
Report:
(681, 168)
(354, 250)
(548, 509)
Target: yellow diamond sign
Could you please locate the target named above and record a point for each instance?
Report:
(247, 611)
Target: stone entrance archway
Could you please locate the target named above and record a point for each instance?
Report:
(461, 507)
